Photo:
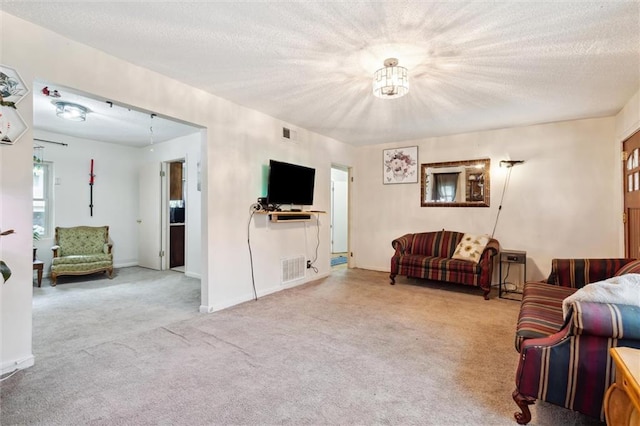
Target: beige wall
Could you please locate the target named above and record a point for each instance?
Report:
(557, 204)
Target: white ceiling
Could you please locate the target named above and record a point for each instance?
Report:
(473, 65)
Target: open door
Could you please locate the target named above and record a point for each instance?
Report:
(150, 216)
(631, 184)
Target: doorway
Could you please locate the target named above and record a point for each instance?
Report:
(339, 216)
(631, 188)
(177, 215)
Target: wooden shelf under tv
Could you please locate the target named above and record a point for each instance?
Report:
(288, 216)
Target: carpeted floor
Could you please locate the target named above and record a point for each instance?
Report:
(348, 349)
(338, 260)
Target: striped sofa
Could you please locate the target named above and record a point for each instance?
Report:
(428, 255)
(567, 362)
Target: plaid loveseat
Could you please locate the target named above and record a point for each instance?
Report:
(428, 255)
(566, 362)
(81, 250)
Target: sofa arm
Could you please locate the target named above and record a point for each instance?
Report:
(55, 250)
(107, 248)
(492, 248)
(605, 320)
(576, 273)
(403, 244)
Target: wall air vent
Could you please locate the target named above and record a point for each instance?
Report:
(289, 134)
(293, 268)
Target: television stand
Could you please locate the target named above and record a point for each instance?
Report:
(291, 216)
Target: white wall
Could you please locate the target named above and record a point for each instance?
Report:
(239, 143)
(115, 192)
(557, 204)
(187, 148)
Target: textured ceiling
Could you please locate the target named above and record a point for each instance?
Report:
(472, 65)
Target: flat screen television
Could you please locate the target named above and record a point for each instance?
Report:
(290, 184)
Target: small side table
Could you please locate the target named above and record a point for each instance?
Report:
(38, 265)
(622, 401)
(517, 257)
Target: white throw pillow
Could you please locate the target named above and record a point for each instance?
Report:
(471, 247)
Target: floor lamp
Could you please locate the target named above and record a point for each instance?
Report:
(508, 164)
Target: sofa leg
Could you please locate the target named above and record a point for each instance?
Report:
(486, 294)
(523, 403)
(392, 277)
(110, 271)
(53, 279)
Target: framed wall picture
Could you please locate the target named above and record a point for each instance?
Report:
(12, 87)
(12, 126)
(400, 165)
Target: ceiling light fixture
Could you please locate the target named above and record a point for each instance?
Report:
(71, 111)
(391, 81)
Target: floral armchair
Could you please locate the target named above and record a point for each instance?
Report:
(81, 250)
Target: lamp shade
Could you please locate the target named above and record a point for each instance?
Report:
(392, 81)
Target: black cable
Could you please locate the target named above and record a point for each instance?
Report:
(505, 282)
(504, 188)
(253, 280)
(317, 244)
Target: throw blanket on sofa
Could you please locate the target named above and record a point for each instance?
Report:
(624, 290)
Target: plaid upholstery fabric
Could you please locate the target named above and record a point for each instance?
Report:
(428, 255)
(572, 368)
(436, 244)
(576, 273)
(540, 311)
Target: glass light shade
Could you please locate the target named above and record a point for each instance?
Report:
(391, 81)
(69, 111)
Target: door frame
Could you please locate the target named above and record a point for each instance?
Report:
(348, 170)
(626, 217)
(166, 224)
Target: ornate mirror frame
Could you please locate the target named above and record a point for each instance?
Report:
(473, 190)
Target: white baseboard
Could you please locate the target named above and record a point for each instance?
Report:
(125, 264)
(17, 364)
(374, 268)
(205, 309)
(193, 275)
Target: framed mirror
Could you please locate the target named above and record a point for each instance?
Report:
(455, 184)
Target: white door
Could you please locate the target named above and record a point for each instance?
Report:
(339, 217)
(149, 216)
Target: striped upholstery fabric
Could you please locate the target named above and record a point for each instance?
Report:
(428, 255)
(540, 311)
(572, 368)
(630, 268)
(576, 273)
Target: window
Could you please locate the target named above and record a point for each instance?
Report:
(446, 185)
(42, 199)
